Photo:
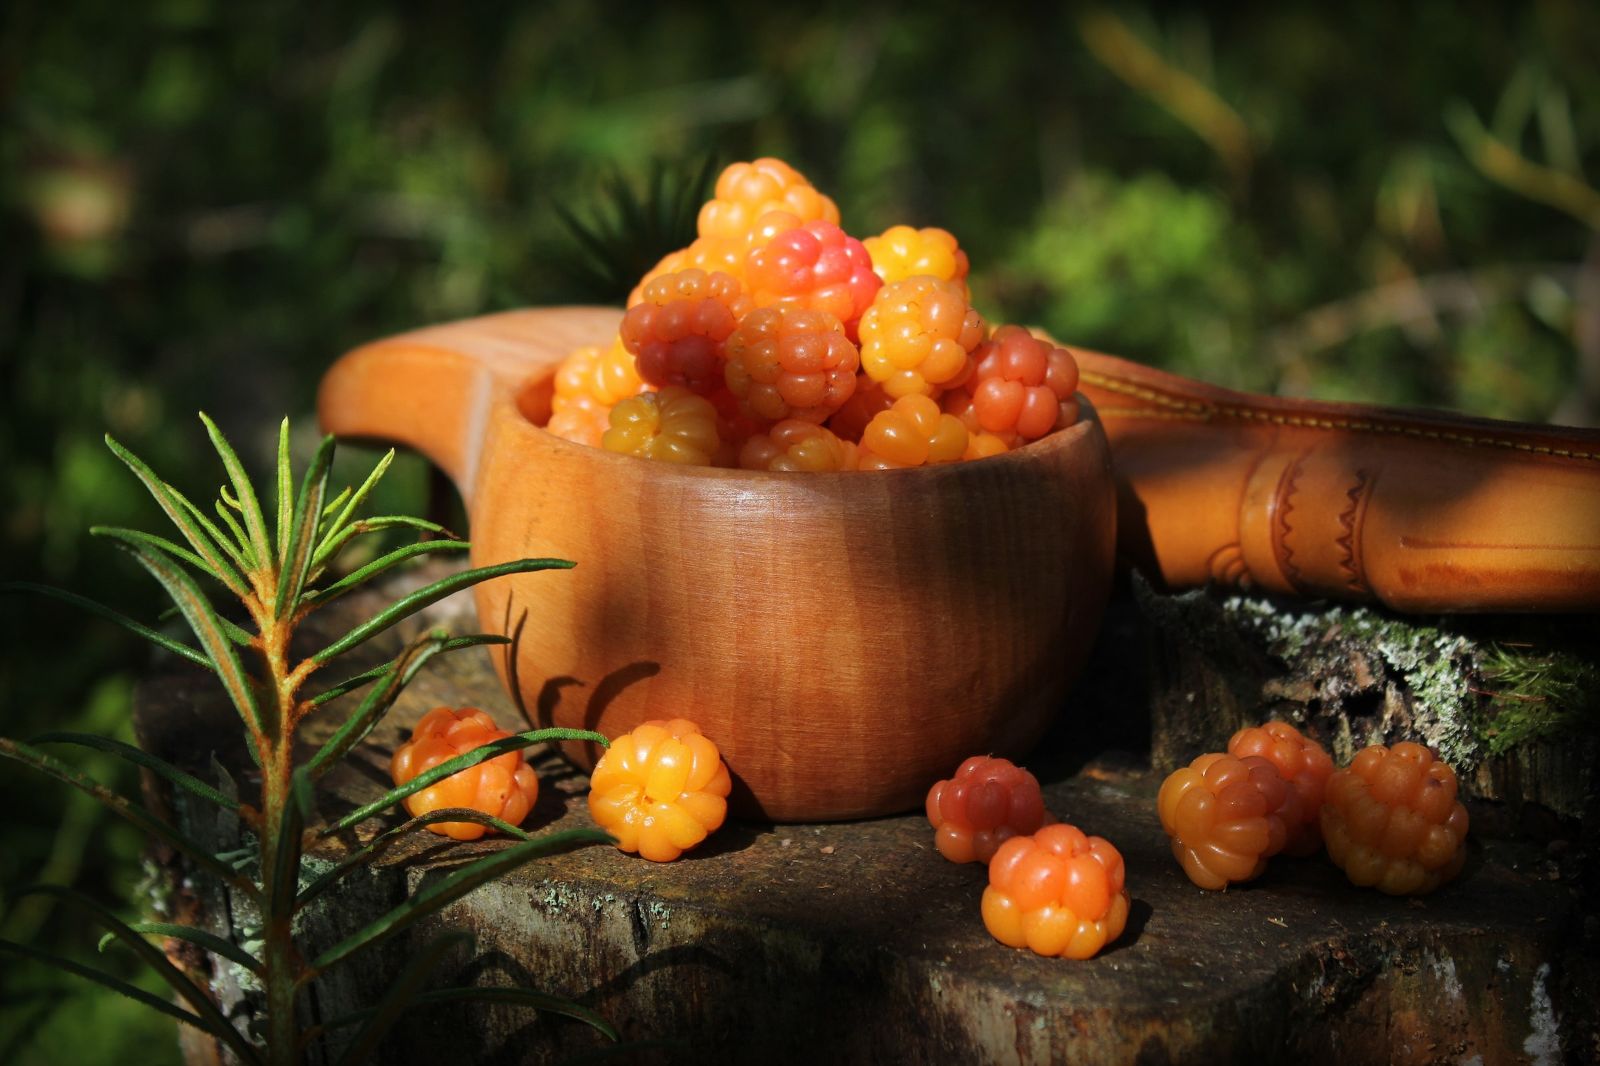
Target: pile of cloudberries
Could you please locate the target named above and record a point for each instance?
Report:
(777, 341)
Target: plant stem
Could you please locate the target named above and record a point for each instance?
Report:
(280, 854)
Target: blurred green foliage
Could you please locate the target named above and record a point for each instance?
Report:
(202, 202)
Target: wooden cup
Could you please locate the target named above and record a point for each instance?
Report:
(846, 639)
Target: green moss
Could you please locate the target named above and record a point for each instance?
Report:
(1534, 696)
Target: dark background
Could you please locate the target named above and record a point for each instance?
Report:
(203, 202)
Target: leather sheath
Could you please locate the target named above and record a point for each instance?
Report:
(1419, 510)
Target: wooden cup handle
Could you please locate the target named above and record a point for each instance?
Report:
(434, 389)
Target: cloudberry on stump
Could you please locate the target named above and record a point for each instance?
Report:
(986, 802)
(1392, 821)
(660, 789)
(504, 787)
(1225, 817)
(1057, 892)
(1302, 763)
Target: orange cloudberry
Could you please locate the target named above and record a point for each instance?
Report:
(678, 328)
(790, 362)
(1225, 817)
(918, 336)
(710, 254)
(673, 425)
(1302, 763)
(1058, 893)
(792, 445)
(746, 191)
(660, 789)
(588, 383)
(503, 787)
(913, 432)
(1391, 820)
(986, 802)
(902, 252)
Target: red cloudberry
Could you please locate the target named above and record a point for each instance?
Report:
(660, 789)
(812, 264)
(985, 803)
(503, 787)
(1022, 385)
(1302, 763)
(868, 398)
(1224, 816)
(1058, 893)
(790, 362)
(1392, 820)
(678, 328)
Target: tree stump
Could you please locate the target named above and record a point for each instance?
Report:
(858, 943)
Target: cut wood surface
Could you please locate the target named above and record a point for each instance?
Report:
(856, 942)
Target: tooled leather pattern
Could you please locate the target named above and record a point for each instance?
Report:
(1178, 408)
(1349, 542)
(1282, 527)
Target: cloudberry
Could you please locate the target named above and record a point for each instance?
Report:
(790, 362)
(1392, 820)
(812, 264)
(503, 787)
(794, 445)
(1058, 893)
(1302, 763)
(711, 254)
(913, 432)
(918, 336)
(587, 384)
(660, 789)
(1225, 817)
(1022, 385)
(985, 803)
(673, 425)
(746, 191)
(901, 252)
(678, 328)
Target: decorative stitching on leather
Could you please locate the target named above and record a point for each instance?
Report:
(1281, 549)
(1351, 520)
(1192, 410)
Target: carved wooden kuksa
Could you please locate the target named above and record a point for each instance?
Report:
(846, 639)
